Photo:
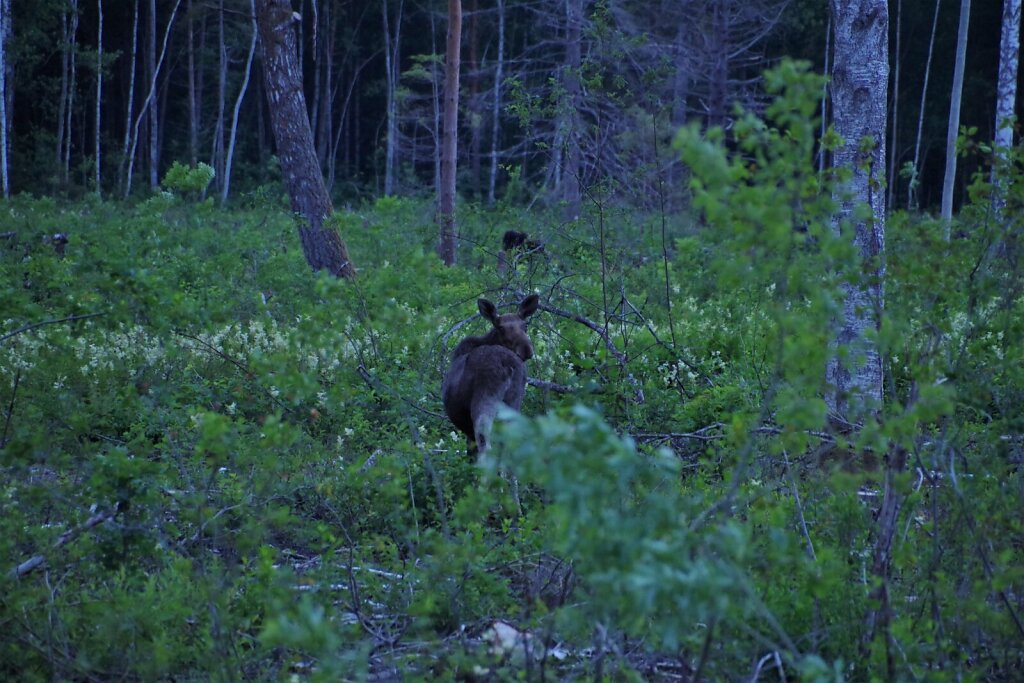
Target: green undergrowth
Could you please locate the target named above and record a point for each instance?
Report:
(230, 467)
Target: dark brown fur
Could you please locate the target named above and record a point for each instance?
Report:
(488, 371)
(514, 244)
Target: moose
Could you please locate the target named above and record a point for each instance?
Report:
(488, 371)
(514, 245)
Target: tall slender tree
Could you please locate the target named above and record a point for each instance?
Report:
(953, 129)
(499, 72)
(915, 172)
(99, 96)
(193, 114)
(133, 59)
(5, 32)
(391, 74)
(572, 135)
(154, 118)
(282, 78)
(1006, 87)
(448, 246)
(226, 187)
(860, 76)
(148, 104)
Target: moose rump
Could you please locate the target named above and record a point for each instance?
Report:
(488, 371)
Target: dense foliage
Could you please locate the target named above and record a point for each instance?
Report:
(216, 464)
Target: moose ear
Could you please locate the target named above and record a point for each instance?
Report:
(488, 310)
(529, 306)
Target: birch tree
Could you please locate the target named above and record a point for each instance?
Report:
(226, 188)
(496, 105)
(147, 105)
(282, 78)
(1006, 88)
(954, 116)
(99, 94)
(391, 69)
(915, 171)
(570, 181)
(860, 74)
(154, 118)
(5, 26)
(132, 60)
(448, 246)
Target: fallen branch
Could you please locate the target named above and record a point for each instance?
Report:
(71, 534)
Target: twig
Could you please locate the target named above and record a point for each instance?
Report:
(608, 343)
(701, 434)
(10, 409)
(210, 348)
(705, 650)
(68, 536)
(799, 507)
(375, 383)
(33, 326)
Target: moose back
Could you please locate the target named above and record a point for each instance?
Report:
(488, 371)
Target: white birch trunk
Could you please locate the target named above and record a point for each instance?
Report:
(916, 171)
(895, 119)
(391, 54)
(238, 106)
(72, 84)
(193, 123)
(496, 110)
(953, 128)
(65, 67)
(860, 76)
(148, 102)
(217, 154)
(99, 95)
(448, 245)
(131, 95)
(154, 118)
(1006, 88)
(5, 25)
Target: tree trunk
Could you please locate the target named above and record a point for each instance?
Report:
(391, 71)
(916, 171)
(860, 75)
(448, 247)
(65, 68)
(238, 107)
(570, 173)
(154, 118)
(895, 99)
(475, 114)
(322, 246)
(954, 117)
(217, 154)
(147, 104)
(72, 85)
(1006, 89)
(822, 152)
(496, 109)
(5, 32)
(131, 97)
(99, 94)
(193, 122)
